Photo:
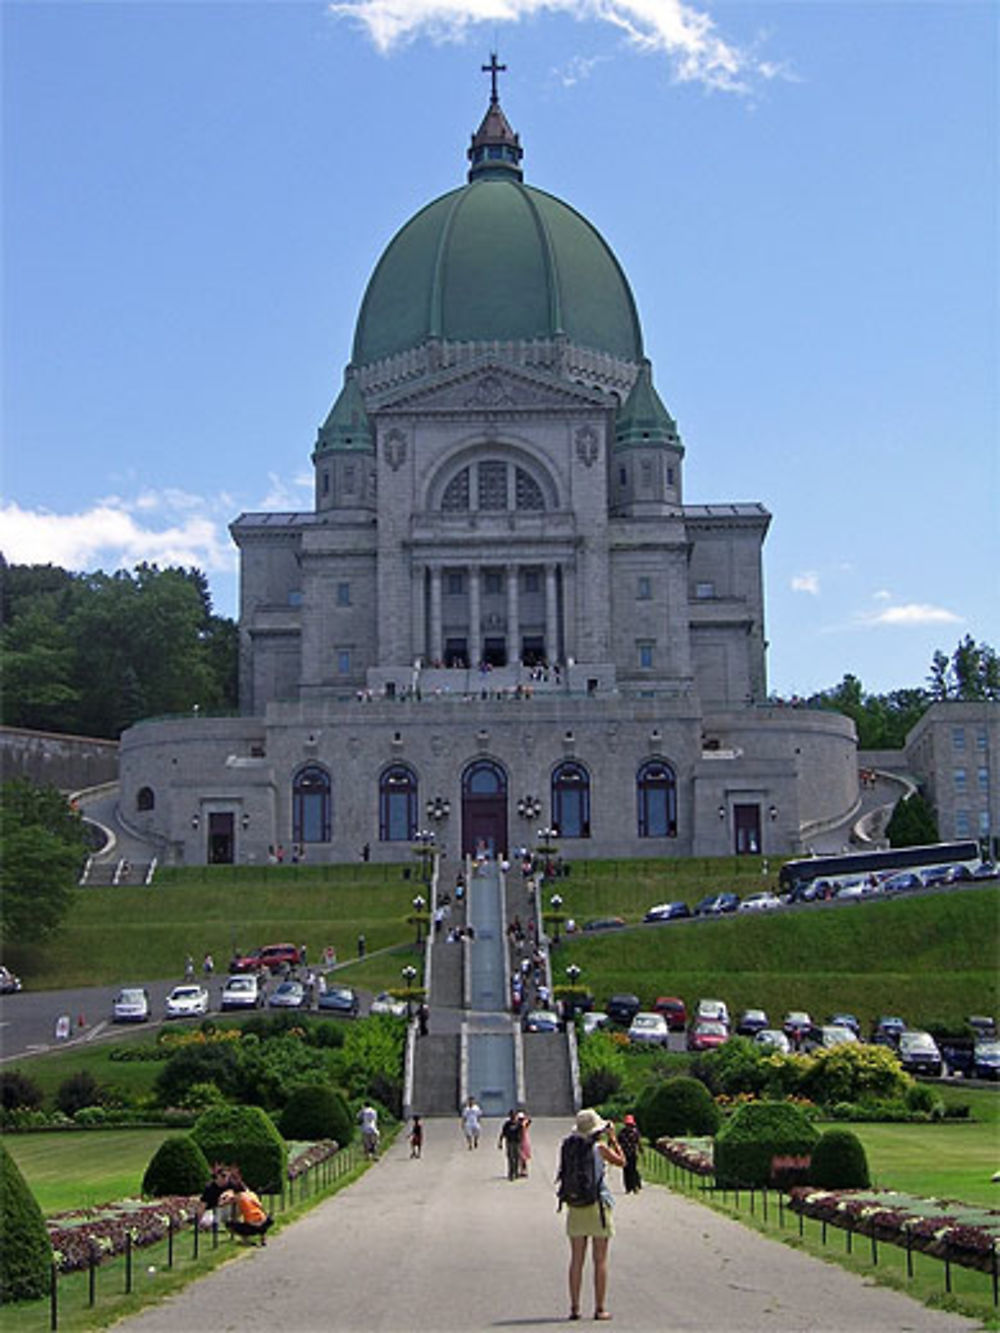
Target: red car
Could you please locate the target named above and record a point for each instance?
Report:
(705, 1036)
(673, 1010)
(272, 958)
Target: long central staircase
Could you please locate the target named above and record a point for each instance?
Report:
(474, 1046)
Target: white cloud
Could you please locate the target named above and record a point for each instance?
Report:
(883, 595)
(116, 534)
(577, 68)
(686, 36)
(912, 613)
(806, 582)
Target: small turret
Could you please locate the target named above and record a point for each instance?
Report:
(495, 149)
(344, 456)
(646, 460)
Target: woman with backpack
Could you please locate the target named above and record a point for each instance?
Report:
(584, 1189)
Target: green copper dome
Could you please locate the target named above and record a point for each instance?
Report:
(497, 259)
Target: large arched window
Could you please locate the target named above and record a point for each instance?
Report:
(571, 801)
(145, 800)
(656, 790)
(397, 804)
(493, 485)
(311, 805)
(484, 778)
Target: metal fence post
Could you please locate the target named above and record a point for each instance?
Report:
(128, 1263)
(53, 1297)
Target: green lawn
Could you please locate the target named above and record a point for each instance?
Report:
(80, 1168)
(954, 1160)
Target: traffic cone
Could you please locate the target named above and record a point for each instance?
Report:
(81, 1022)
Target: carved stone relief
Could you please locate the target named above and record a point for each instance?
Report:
(394, 449)
(588, 446)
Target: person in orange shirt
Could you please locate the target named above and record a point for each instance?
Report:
(251, 1219)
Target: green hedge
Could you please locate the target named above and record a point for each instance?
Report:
(243, 1136)
(177, 1167)
(676, 1106)
(757, 1133)
(317, 1111)
(839, 1162)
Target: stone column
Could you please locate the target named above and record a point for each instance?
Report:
(475, 639)
(419, 584)
(436, 645)
(551, 616)
(513, 621)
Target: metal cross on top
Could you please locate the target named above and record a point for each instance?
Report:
(493, 69)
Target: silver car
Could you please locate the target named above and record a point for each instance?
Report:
(186, 1002)
(131, 1005)
(649, 1029)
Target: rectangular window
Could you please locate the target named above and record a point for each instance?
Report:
(958, 738)
(983, 777)
(326, 483)
(960, 779)
(344, 661)
(961, 823)
(294, 597)
(343, 594)
(493, 582)
(984, 823)
(531, 582)
(645, 655)
(622, 477)
(645, 588)
(670, 476)
(704, 591)
(455, 584)
(981, 739)
(492, 486)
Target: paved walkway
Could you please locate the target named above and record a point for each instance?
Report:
(447, 1243)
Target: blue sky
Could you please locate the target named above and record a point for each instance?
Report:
(803, 195)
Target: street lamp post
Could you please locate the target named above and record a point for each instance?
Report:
(556, 903)
(573, 973)
(409, 973)
(418, 911)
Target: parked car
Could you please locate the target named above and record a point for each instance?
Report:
(985, 870)
(594, 1022)
(540, 1020)
(605, 923)
(716, 904)
(751, 1022)
(667, 912)
(384, 1003)
(846, 1021)
(706, 1036)
(339, 1000)
(982, 1025)
(289, 995)
(649, 1028)
(796, 1026)
(712, 1011)
(244, 991)
(774, 1040)
(919, 1054)
(276, 956)
(887, 1031)
(186, 1002)
(622, 1008)
(760, 902)
(827, 1036)
(853, 890)
(674, 1010)
(9, 983)
(131, 1005)
(986, 1060)
(902, 882)
(936, 875)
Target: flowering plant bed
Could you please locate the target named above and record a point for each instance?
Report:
(694, 1155)
(959, 1232)
(99, 1233)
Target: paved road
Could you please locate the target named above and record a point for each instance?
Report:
(447, 1243)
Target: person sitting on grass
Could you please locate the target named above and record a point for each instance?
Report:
(251, 1219)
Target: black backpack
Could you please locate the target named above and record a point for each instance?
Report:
(578, 1178)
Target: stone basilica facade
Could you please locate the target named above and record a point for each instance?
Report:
(501, 615)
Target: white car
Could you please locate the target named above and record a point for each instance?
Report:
(131, 1005)
(242, 992)
(384, 1003)
(760, 902)
(649, 1028)
(186, 1002)
(712, 1011)
(774, 1040)
(594, 1023)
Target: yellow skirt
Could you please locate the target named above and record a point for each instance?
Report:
(585, 1220)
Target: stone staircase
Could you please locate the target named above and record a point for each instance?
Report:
(435, 1074)
(547, 1083)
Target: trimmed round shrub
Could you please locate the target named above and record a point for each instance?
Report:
(177, 1167)
(317, 1111)
(921, 1097)
(25, 1251)
(201, 1097)
(757, 1133)
(18, 1090)
(677, 1106)
(78, 1091)
(839, 1161)
(245, 1137)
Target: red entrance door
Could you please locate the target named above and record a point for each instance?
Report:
(484, 809)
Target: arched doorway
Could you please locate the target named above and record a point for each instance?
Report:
(484, 808)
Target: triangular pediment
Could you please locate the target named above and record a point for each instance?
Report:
(488, 388)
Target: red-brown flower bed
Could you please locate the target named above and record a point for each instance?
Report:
(694, 1155)
(101, 1232)
(959, 1232)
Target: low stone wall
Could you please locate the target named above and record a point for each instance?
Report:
(51, 759)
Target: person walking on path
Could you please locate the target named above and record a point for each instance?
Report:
(416, 1137)
(524, 1147)
(471, 1113)
(630, 1141)
(510, 1138)
(368, 1120)
(591, 1221)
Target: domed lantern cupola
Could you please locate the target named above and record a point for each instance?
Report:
(495, 149)
(647, 454)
